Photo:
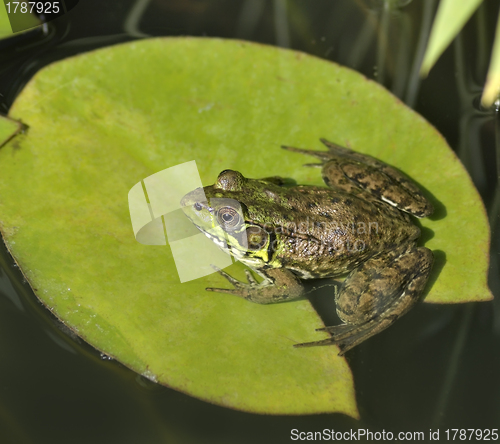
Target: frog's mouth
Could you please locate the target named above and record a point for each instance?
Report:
(251, 245)
(223, 221)
(217, 240)
(225, 242)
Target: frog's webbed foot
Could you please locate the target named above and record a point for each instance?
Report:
(351, 172)
(347, 336)
(343, 336)
(376, 294)
(279, 285)
(239, 287)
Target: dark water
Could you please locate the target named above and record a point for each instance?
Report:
(439, 367)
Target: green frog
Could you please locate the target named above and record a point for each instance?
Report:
(359, 227)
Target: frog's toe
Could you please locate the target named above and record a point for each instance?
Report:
(251, 279)
(338, 332)
(344, 344)
(240, 289)
(327, 341)
(231, 279)
(322, 155)
(233, 291)
(345, 336)
(337, 329)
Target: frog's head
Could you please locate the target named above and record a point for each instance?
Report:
(220, 213)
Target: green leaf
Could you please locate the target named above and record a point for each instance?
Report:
(27, 20)
(101, 122)
(5, 29)
(450, 18)
(492, 87)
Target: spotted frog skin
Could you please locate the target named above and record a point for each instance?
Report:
(359, 227)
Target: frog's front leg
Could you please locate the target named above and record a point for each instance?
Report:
(377, 293)
(279, 285)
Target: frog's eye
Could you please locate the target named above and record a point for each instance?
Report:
(256, 238)
(230, 180)
(198, 206)
(228, 218)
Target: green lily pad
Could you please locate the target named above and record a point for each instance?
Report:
(5, 29)
(29, 20)
(101, 122)
(8, 129)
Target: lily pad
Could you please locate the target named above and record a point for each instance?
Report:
(5, 29)
(28, 20)
(101, 122)
(8, 129)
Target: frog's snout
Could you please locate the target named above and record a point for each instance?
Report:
(193, 197)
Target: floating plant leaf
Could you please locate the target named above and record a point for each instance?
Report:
(450, 18)
(492, 87)
(8, 129)
(5, 29)
(101, 122)
(29, 20)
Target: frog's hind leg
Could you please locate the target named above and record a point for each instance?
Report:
(353, 172)
(376, 294)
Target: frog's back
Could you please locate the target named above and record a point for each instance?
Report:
(330, 233)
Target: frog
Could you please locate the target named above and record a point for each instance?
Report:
(359, 228)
